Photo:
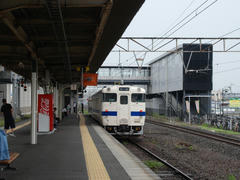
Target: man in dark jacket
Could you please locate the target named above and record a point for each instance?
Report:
(8, 118)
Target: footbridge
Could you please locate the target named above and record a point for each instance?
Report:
(109, 75)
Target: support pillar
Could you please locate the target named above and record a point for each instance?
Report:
(18, 100)
(56, 99)
(167, 103)
(60, 101)
(184, 109)
(71, 100)
(189, 116)
(34, 103)
(14, 95)
(47, 77)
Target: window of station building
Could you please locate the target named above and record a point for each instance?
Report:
(123, 100)
(138, 97)
(109, 97)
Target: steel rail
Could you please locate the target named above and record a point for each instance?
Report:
(220, 138)
(176, 170)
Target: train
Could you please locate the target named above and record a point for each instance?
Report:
(120, 109)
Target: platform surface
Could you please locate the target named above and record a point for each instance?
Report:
(63, 155)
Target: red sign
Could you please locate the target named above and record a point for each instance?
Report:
(90, 79)
(45, 112)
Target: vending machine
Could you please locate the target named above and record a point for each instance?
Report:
(45, 112)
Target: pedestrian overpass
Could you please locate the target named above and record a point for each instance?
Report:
(109, 75)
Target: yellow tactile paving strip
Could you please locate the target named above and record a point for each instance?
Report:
(94, 163)
(20, 126)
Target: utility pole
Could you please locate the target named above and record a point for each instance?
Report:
(222, 103)
(189, 116)
(166, 113)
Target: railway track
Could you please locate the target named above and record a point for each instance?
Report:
(175, 171)
(216, 137)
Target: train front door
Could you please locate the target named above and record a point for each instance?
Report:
(123, 110)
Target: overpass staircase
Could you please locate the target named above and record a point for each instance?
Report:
(173, 104)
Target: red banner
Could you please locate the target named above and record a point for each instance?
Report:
(45, 112)
(90, 79)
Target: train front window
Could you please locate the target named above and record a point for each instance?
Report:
(138, 97)
(123, 100)
(109, 97)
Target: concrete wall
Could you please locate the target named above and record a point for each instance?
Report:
(167, 74)
(155, 106)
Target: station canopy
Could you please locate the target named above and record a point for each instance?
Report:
(63, 36)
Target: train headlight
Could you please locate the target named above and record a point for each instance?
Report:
(137, 128)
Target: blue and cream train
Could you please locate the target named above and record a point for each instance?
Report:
(119, 109)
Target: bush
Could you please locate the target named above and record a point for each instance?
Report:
(153, 164)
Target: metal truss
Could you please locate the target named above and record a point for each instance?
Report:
(172, 44)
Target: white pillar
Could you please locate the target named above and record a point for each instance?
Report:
(14, 95)
(60, 101)
(71, 100)
(56, 102)
(47, 78)
(166, 113)
(34, 108)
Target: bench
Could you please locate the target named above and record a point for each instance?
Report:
(6, 163)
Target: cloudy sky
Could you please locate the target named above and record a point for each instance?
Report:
(156, 17)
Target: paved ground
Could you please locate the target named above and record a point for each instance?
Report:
(56, 156)
(59, 155)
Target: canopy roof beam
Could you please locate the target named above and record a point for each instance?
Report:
(9, 19)
(105, 14)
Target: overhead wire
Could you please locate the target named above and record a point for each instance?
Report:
(174, 22)
(231, 32)
(224, 35)
(196, 14)
(233, 69)
(229, 62)
(194, 11)
(190, 19)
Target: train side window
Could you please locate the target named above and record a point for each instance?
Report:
(138, 97)
(109, 97)
(123, 100)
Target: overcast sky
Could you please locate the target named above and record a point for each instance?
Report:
(157, 16)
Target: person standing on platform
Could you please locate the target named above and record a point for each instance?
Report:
(74, 107)
(55, 118)
(69, 108)
(82, 108)
(9, 121)
(64, 110)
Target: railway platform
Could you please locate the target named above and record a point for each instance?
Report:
(79, 149)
